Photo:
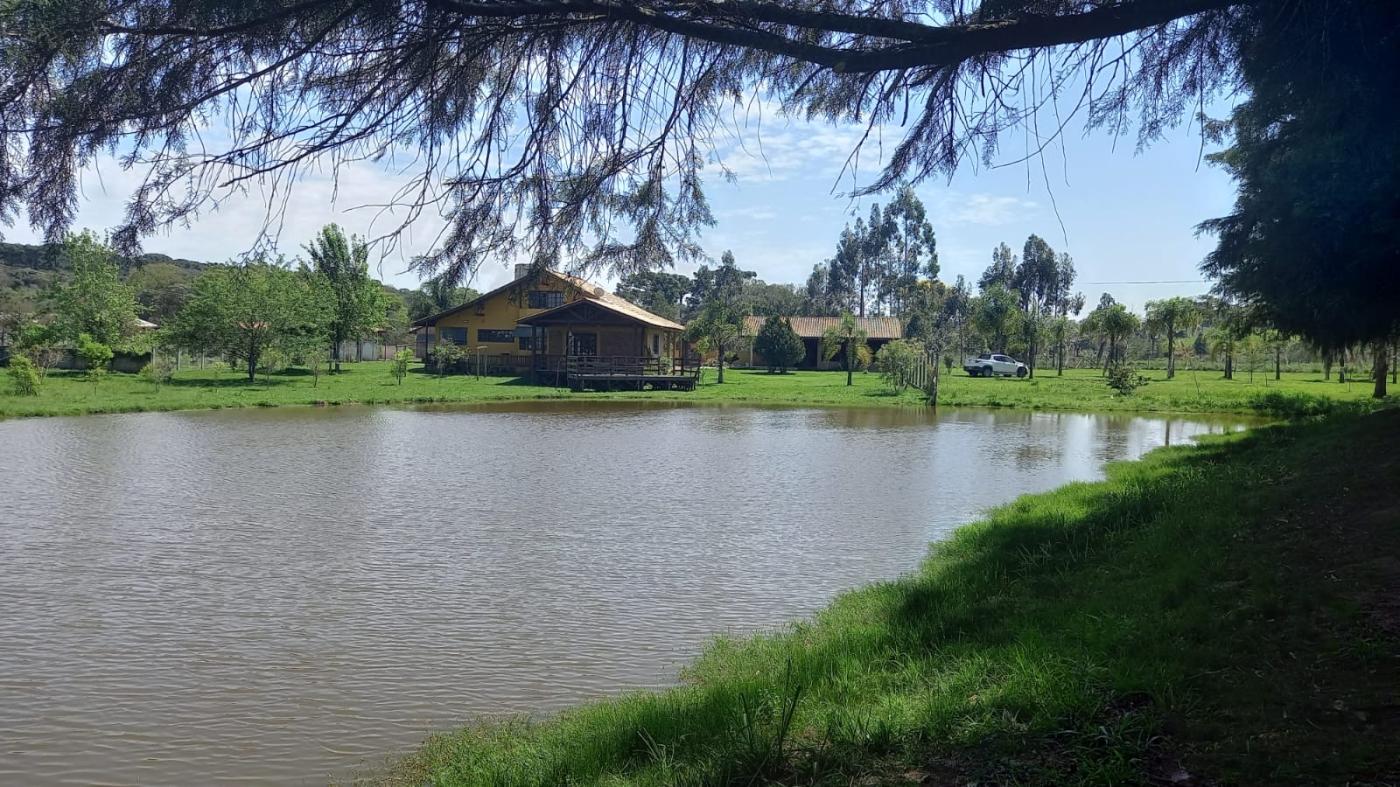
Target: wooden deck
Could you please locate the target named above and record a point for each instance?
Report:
(617, 373)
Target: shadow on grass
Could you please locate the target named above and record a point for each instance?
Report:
(239, 381)
(1078, 636)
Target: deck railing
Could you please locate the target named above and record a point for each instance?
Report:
(631, 366)
(618, 365)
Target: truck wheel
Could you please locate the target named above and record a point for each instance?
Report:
(986, 371)
(1020, 371)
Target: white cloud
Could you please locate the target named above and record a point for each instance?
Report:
(987, 210)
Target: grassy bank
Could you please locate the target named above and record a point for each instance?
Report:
(1215, 615)
(67, 393)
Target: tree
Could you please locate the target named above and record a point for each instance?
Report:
(719, 327)
(160, 288)
(772, 300)
(356, 302)
(92, 299)
(843, 269)
(1002, 271)
(779, 344)
(932, 324)
(994, 312)
(95, 355)
(581, 114)
(658, 292)
(898, 361)
(817, 299)
(40, 343)
(245, 311)
(1117, 324)
(24, 375)
(847, 340)
(1221, 341)
(435, 295)
(959, 312)
(722, 285)
(913, 249)
(1312, 245)
(446, 355)
(1036, 281)
(399, 364)
(1174, 315)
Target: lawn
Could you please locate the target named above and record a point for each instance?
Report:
(67, 393)
(1221, 614)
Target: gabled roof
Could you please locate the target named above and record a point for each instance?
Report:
(584, 288)
(814, 327)
(618, 307)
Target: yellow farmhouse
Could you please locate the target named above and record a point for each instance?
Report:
(557, 328)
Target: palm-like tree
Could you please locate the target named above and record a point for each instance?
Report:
(1173, 315)
(1220, 342)
(717, 328)
(1117, 323)
(848, 340)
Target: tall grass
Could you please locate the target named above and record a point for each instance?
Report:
(1096, 635)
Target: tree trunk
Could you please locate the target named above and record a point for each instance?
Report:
(1278, 363)
(1381, 359)
(931, 385)
(721, 363)
(1229, 364)
(1171, 353)
(850, 360)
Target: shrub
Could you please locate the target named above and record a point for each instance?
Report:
(25, 376)
(158, 371)
(399, 368)
(779, 344)
(445, 357)
(898, 361)
(96, 355)
(1125, 379)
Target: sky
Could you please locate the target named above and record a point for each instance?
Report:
(1126, 216)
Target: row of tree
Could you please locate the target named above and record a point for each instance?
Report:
(255, 314)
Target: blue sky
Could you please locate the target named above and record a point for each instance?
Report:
(1125, 216)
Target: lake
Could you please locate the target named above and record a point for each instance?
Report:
(293, 595)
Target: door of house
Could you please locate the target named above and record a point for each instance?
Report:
(583, 344)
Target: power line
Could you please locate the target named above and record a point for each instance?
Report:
(1163, 281)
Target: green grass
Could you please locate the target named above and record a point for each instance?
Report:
(1226, 611)
(66, 393)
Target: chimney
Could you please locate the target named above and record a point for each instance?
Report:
(522, 269)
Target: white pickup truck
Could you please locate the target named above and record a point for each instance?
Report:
(992, 364)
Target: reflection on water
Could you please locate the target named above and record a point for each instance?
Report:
(281, 595)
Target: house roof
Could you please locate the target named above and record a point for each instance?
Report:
(814, 327)
(619, 307)
(585, 288)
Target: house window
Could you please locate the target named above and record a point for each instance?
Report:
(545, 299)
(454, 335)
(655, 344)
(495, 335)
(525, 334)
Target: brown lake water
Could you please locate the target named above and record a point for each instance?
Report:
(287, 596)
